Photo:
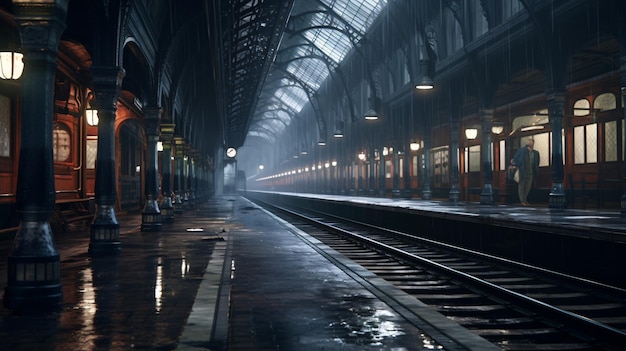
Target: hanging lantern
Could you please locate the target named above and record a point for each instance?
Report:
(11, 65)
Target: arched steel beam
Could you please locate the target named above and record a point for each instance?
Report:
(311, 94)
(376, 98)
(327, 60)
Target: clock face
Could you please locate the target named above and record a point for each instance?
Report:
(231, 152)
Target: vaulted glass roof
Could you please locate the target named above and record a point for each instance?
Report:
(321, 33)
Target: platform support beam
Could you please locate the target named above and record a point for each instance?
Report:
(151, 219)
(167, 208)
(556, 101)
(454, 193)
(623, 90)
(33, 269)
(178, 175)
(105, 230)
(395, 193)
(426, 191)
(486, 121)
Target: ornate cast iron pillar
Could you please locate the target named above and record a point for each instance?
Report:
(426, 192)
(556, 101)
(486, 121)
(381, 173)
(623, 91)
(105, 230)
(371, 190)
(151, 219)
(396, 172)
(185, 177)
(178, 175)
(33, 270)
(167, 208)
(454, 161)
(352, 190)
(192, 178)
(407, 193)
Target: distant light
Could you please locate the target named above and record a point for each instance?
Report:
(326, 165)
(159, 146)
(195, 229)
(261, 167)
(361, 156)
(414, 146)
(334, 163)
(322, 142)
(497, 129)
(371, 115)
(525, 129)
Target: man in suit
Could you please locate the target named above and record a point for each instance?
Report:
(527, 161)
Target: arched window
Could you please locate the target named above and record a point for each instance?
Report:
(453, 33)
(581, 108)
(510, 8)
(61, 142)
(604, 102)
(479, 21)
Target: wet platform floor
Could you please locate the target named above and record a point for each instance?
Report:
(226, 276)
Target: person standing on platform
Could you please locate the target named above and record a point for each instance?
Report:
(526, 160)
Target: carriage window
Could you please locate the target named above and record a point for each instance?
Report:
(586, 144)
(503, 161)
(581, 108)
(5, 126)
(401, 167)
(610, 141)
(472, 158)
(61, 144)
(91, 152)
(605, 102)
(388, 169)
(542, 145)
(440, 170)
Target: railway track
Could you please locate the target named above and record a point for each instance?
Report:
(513, 305)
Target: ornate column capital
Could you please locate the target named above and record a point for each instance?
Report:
(152, 120)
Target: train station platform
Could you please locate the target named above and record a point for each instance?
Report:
(224, 276)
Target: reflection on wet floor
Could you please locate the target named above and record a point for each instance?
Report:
(137, 300)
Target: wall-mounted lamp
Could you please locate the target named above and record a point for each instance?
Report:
(471, 133)
(361, 156)
(338, 130)
(321, 142)
(334, 163)
(159, 146)
(92, 116)
(261, 167)
(11, 65)
(497, 129)
(414, 146)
